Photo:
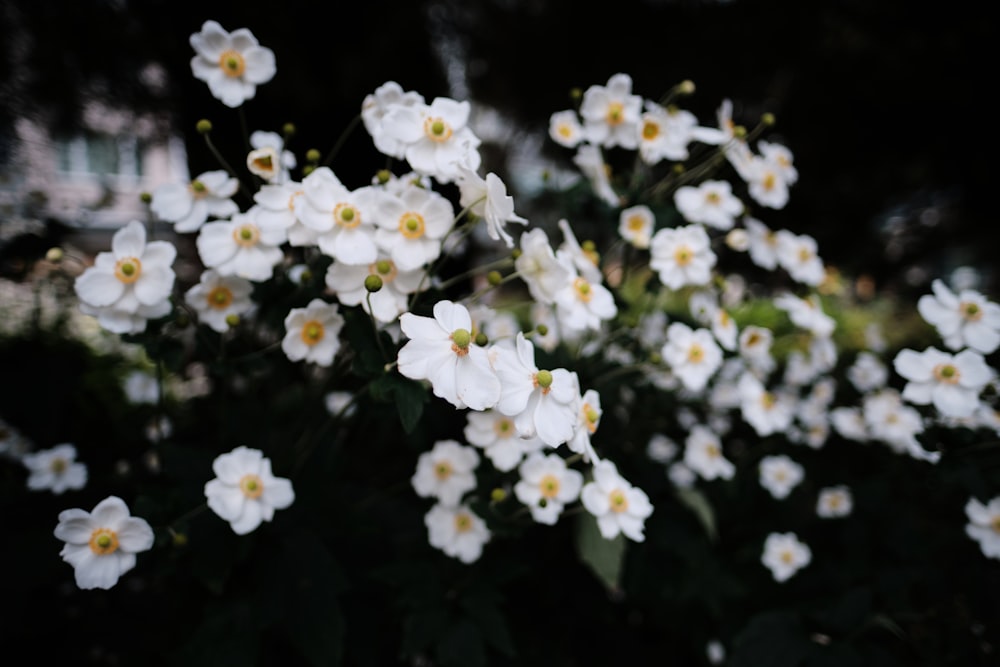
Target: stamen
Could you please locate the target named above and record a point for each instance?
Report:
(128, 269)
(549, 486)
(251, 486)
(220, 297)
(103, 541)
(619, 503)
(411, 225)
(346, 215)
(437, 130)
(232, 63)
(246, 235)
(312, 332)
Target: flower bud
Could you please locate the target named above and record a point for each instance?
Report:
(288, 129)
(494, 278)
(482, 339)
(498, 495)
(373, 283)
(146, 197)
(232, 319)
(542, 330)
(54, 255)
(383, 176)
(768, 119)
(312, 155)
(203, 126)
(738, 239)
(686, 87)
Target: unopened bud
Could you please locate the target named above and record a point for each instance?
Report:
(575, 94)
(740, 132)
(373, 283)
(768, 119)
(686, 87)
(542, 330)
(145, 197)
(482, 339)
(288, 129)
(738, 239)
(498, 495)
(494, 278)
(308, 169)
(178, 539)
(312, 155)
(203, 126)
(515, 253)
(383, 176)
(54, 255)
(232, 319)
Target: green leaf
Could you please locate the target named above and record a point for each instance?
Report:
(604, 557)
(408, 395)
(698, 503)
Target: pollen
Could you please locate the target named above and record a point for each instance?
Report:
(636, 223)
(291, 200)
(549, 486)
(650, 130)
(504, 428)
(971, 311)
(463, 522)
(58, 466)
(246, 235)
(769, 181)
(103, 541)
(443, 470)
(128, 269)
(411, 225)
(616, 113)
(437, 130)
(787, 557)
(618, 501)
(564, 130)
(251, 486)
(583, 291)
(946, 373)
(713, 199)
(346, 215)
(805, 254)
(683, 255)
(312, 332)
(768, 400)
(995, 524)
(219, 297)
(232, 63)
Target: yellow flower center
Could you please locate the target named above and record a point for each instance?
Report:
(769, 181)
(712, 452)
(246, 236)
(787, 557)
(460, 339)
(713, 198)
(384, 269)
(219, 297)
(591, 416)
(583, 291)
(198, 189)
(946, 373)
(504, 428)
(995, 524)
(411, 225)
(971, 311)
(616, 113)
(463, 522)
(58, 466)
(834, 501)
(103, 541)
(805, 254)
(437, 130)
(232, 63)
(312, 332)
(619, 503)
(768, 400)
(543, 379)
(635, 223)
(443, 470)
(564, 130)
(549, 486)
(650, 130)
(683, 255)
(251, 486)
(346, 215)
(696, 353)
(128, 269)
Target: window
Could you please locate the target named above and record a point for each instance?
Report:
(93, 156)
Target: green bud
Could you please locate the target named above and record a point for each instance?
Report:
(203, 126)
(312, 155)
(146, 197)
(179, 539)
(515, 253)
(232, 319)
(498, 495)
(542, 330)
(383, 176)
(54, 254)
(768, 119)
(542, 502)
(494, 278)
(482, 339)
(740, 132)
(373, 283)
(305, 277)
(288, 129)
(308, 169)
(575, 94)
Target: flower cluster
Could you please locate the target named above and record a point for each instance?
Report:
(533, 356)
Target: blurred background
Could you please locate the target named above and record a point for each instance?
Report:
(883, 104)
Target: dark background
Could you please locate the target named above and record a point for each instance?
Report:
(884, 104)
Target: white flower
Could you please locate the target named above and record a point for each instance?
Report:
(436, 137)
(785, 555)
(611, 113)
(539, 267)
(141, 387)
(583, 305)
(565, 128)
(130, 284)
(411, 225)
(891, 421)
(951, 383)
(312, 333)
(244, 491)
(984, 525)
(189, 205)
(765, 179)
(374, 108)
(441, 350)
(779, 475)
(446, 472)
(963, 319)
(682, 256)
(389, 302)
(762, 244)
(497, 435)
(767, 412)
(665, 132)
(692, 354)
(867, 372)
(806, 313)
(635, 225)
(796, 254)
(577, 258)
(542, 402)
(101, 545)
(590, 160)
(681, 476)
(660, 448)
(456, 531)
(343, 220)
(834, 502)
(269, 159)
(216, 297)
(618, 506)
(55, 469)
(703, 454)
(340, 403)
(232, 64)
(849, 422)
(712, 203)
(241, 247)
(546, 486)
(488, 199)
(588, 421)
(276, 206)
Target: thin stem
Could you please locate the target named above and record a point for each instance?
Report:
(371, 316)
(226, 166)
(328, 160)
